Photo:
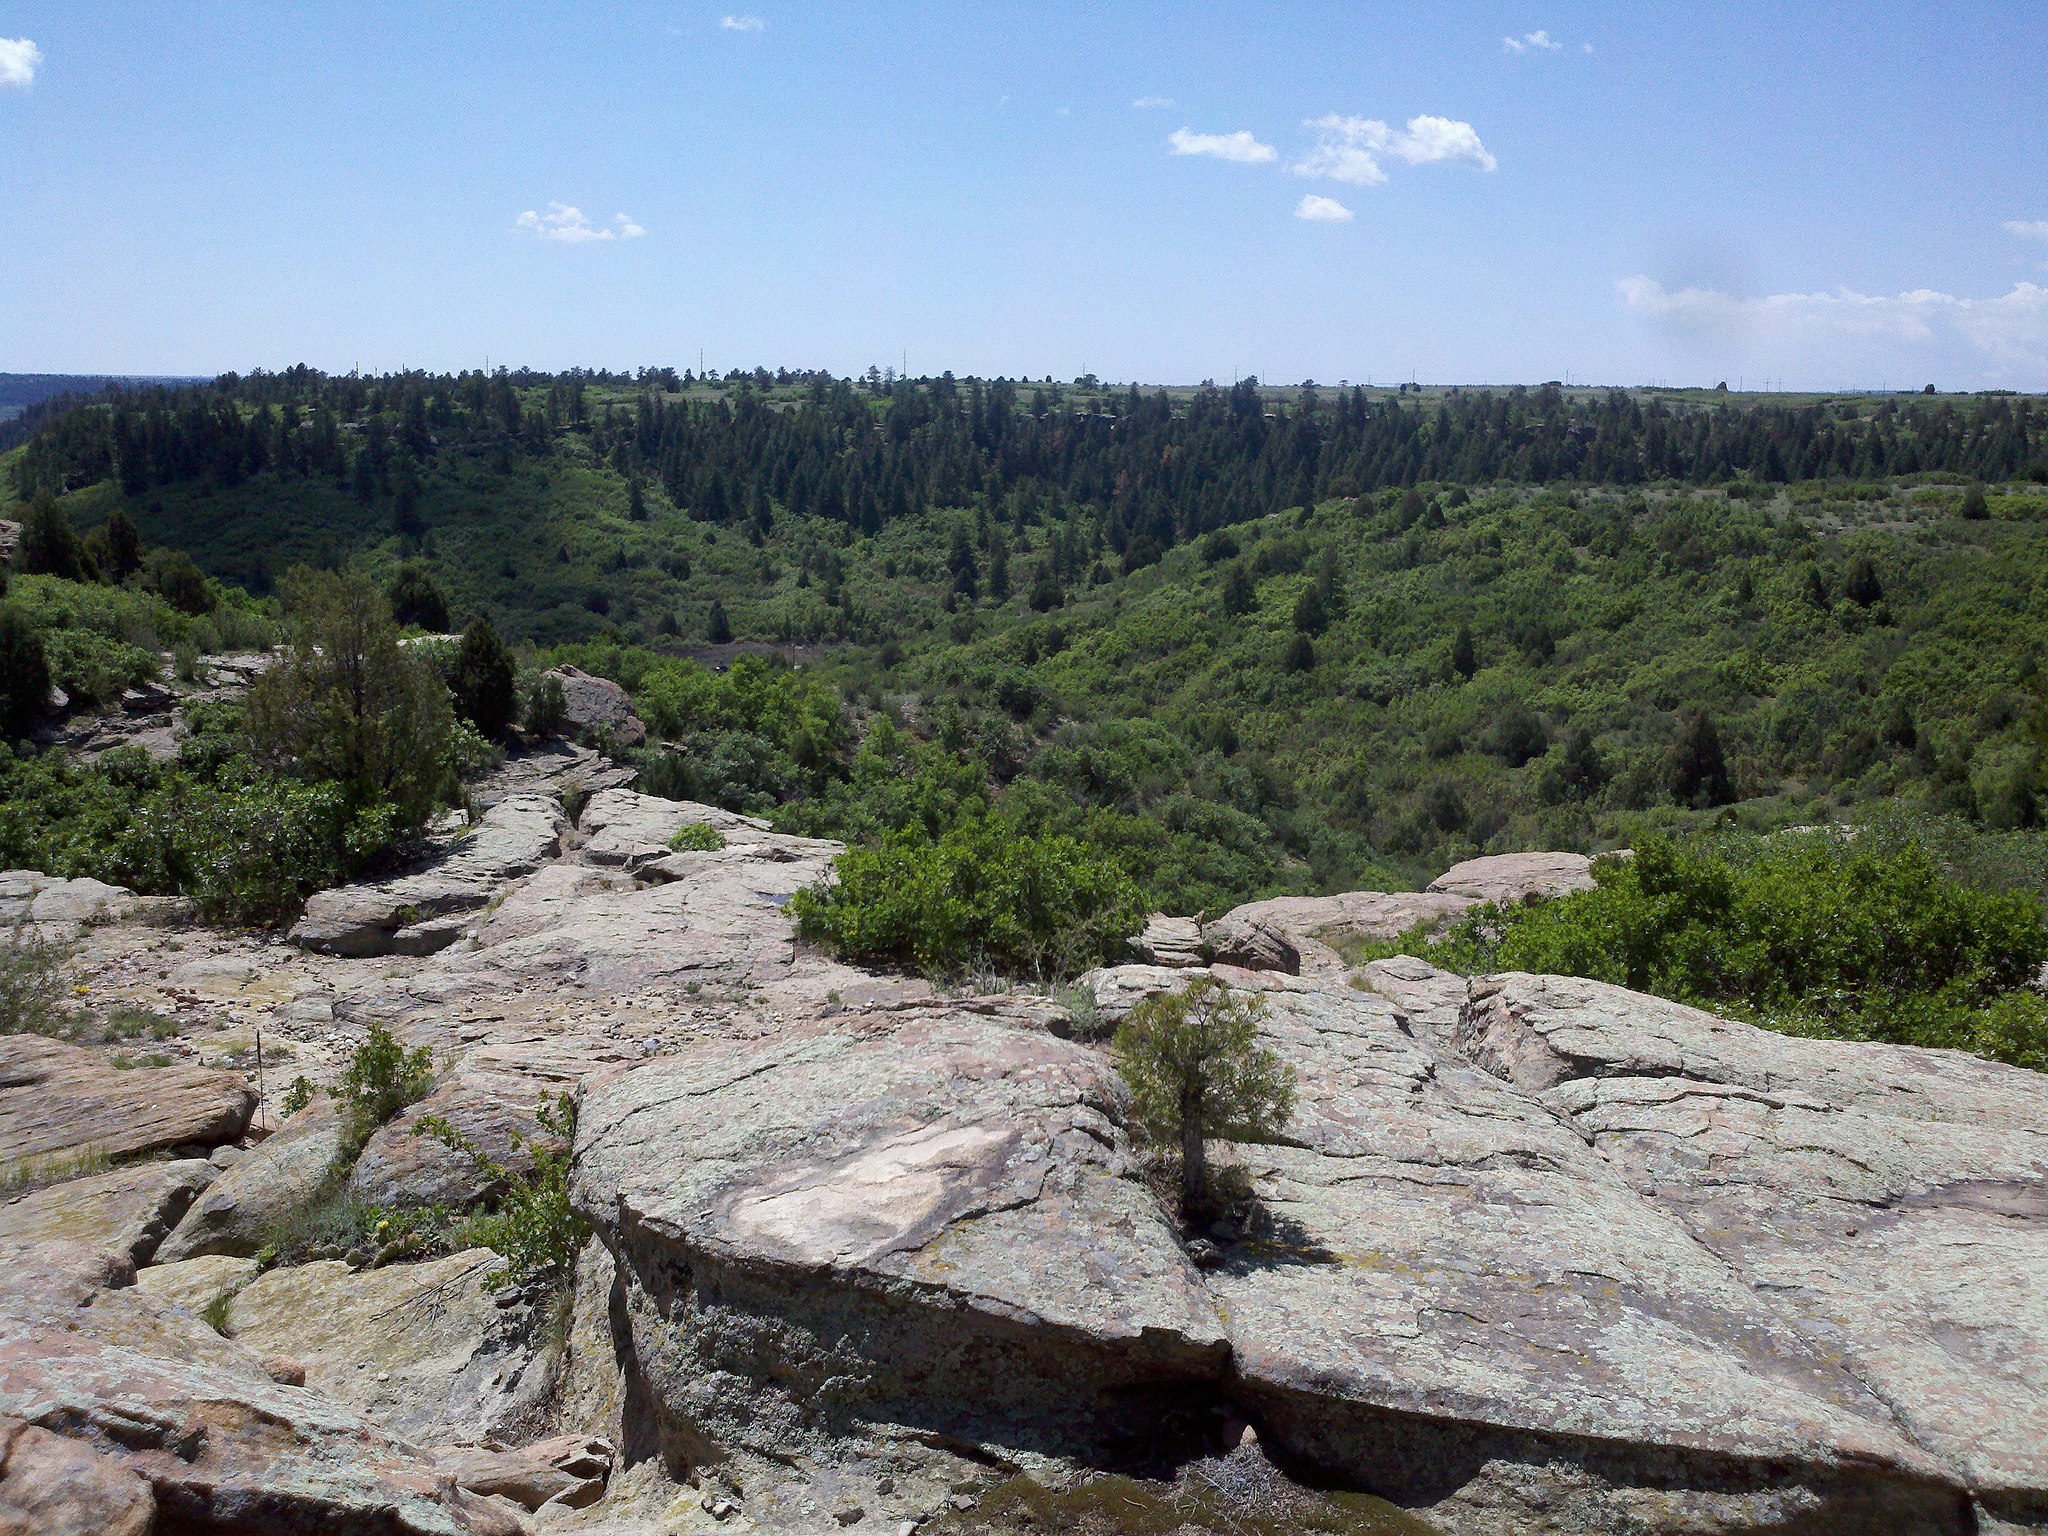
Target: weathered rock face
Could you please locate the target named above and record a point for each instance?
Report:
(1513, 877)
(1170, 941)
(61, 1101)
(424, 1350)
(494, 1109)
(1315, 925)
(58, 909)
(550, 768)
(195, 1284)
(283, 1172)
(591, 703)
(418, 913)
(629, 830)
(931, 1223)
(126, 1210)
(1891, 1203)
(51, 1486)
(150, 1393)
(1251, 945)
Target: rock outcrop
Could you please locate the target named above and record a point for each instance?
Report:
(61, 1102)
(426, 1350)
(285, 1171)
(1891, 1202)
(125, 1210)
(121, 1390)
(931, 1231)
(1169, 941)
(592, 704)
(1316, 926)
(58, 910)
(426, 910)
(1507, 878)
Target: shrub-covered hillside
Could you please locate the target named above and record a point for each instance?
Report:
(1239, 640)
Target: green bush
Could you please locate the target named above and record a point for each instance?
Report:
(383, 1077)
(35, 984)
(24, 673)
(533, 1224)
(983, 896)
(697, 837)
(1862, 937)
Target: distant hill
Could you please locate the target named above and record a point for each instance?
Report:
(19, 391)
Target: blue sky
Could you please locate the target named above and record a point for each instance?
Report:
(1822, 196)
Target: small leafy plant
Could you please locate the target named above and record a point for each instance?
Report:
(382, 1078)
(534, 1226)
(697, 837)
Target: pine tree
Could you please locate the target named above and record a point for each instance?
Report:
(1310, 618)
(1464, 655)
(24, 673)
(717, 628)
(1240, 592)
(482, 684)
(1698, 769)
(417, 600)
(122, 545)
(1301, 655)
(48, 545)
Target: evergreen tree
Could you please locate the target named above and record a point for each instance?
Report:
(1584, 771)
(417, 600)
(636, 501)
(717, 628)
(173, 576)
(48, 545)
(1975, 507)
(483, 680)
(1301, 655)
(1240, 591)
(1863, 586)
(1310, 618)
(121, 547)
(24, 673)
(1464, 655)
(1697, 771)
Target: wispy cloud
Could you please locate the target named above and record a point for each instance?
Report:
(1349, 149)
(2028, 229)
(1322, 210)
(741, 23)
(1531, 42)
(571, 227)
(1239, 146)
(2010, 330)
(1152, 103)
(19, 59)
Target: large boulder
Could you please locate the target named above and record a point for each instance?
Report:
(425, 1350)
(61, 1103)
(127, 1210)
(236, 1212)
(1507, 878)
(630, 830)
(1891, 1202)
(932, 1223)
(1318, 927)
(147, 1390)
(1251, 945)
(592, 704)
(60, 910)
(426, 910)
(1446, 1297)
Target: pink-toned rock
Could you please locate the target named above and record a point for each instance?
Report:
(1508, 878)
(591, 703)
(53, 1486)
(61, 1101)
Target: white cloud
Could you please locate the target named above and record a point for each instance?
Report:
(2010, 331)
(1152, 103)
(1349, 149)
(1322, 210)
(2028, 229)
(1239, 146)
(741, 23)
(1531, 42)
(571, 227)
(18, 60)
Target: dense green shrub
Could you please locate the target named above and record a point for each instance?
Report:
(35, 983)
(982, 897)
(697, 837)
(1858, 937)
(483, 680)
